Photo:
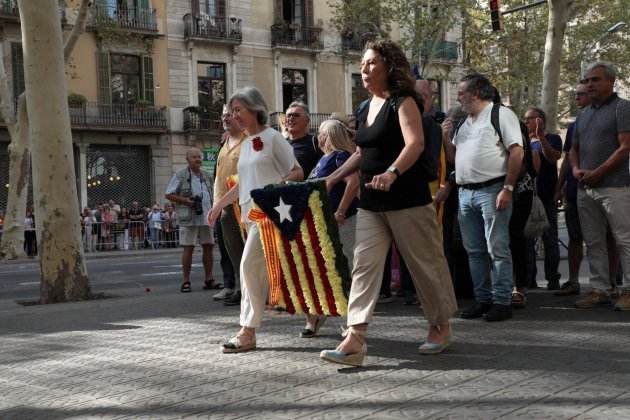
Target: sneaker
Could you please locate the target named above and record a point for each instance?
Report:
(233, 300)
(568, 289)
(553, 285)
(498, 313)
(223, 294)
(594, 298)
(384, 298)
(477, 310)
(623, 303)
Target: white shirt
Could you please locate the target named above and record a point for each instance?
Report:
(480, 154)
(257, 169)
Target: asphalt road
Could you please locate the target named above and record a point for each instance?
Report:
(118, 275)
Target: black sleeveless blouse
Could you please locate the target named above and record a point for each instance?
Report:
(380, 144)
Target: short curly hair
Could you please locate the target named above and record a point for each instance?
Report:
(399, 79)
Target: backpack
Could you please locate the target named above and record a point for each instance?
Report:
(527, 149)
(430, 157)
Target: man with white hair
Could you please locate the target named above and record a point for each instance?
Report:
(191, 191)
(599, 159)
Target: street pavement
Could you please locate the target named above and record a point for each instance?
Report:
(156, 355)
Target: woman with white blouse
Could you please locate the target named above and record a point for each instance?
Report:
(265, 158)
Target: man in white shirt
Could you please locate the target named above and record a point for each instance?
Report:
(486, 169)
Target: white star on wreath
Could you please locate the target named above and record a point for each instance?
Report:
(284, 210)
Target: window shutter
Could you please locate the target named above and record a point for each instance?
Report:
(102, 11)
(17, 66)
(148, 93)
(103, 76)
(194, 7)
(278, 10)
(221, 8)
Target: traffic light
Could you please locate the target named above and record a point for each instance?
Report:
(495, 15)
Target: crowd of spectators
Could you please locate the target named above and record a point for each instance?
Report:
(108, 226)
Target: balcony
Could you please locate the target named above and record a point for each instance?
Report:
(9, 11)
(296, 37)
(316, 118)
(445, 51)
(125, 18)
(352, 43)
(194, 121)
(118, 117)
(220, 29)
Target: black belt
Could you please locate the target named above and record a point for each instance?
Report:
(478, 185)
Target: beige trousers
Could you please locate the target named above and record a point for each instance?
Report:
(416, 235)
(254, 280)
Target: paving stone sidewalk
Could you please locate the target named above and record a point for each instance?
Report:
(157, 357)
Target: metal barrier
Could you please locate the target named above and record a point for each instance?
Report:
(128, 235)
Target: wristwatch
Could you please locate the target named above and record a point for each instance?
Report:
(394, 170)
(508, 187)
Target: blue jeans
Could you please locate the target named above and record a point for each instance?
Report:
(486, 237)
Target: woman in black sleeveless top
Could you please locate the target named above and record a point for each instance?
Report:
(395, 204)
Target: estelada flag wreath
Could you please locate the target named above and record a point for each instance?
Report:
(308, 272)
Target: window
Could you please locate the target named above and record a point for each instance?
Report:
(17, 67)
(125, 10)
(359, 92)
(125, 79)
(436, 89)
(211, 87)
(294, 86)
(293, 11)
(209, 7)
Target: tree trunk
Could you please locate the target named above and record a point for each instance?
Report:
(12, 246)
(63, 271)
(559, 11)
(77, 30)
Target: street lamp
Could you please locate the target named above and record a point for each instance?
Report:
(591, 48)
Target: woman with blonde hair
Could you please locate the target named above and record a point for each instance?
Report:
(335, 141)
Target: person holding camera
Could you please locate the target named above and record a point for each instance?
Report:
(191, 191)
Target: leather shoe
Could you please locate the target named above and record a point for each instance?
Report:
(498, 313)
(477, 310)
(568, 289)
(553, 285)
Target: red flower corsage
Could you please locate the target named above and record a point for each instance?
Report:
(258, 144)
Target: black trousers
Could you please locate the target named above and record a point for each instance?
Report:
(519, 245)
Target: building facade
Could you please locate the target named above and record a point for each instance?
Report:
(289, 49)
(117, 95)
(148, 79)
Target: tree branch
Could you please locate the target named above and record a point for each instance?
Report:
(77, 29)
(6, 103)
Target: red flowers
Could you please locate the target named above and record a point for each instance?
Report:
(257, 143)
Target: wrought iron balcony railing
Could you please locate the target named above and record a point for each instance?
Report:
(129, 18)
(445, 51)
(353, 42)
(276, 119)
(118, 116)
(296, 36)
(196, 121)
(219, 28)
(9, 10)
